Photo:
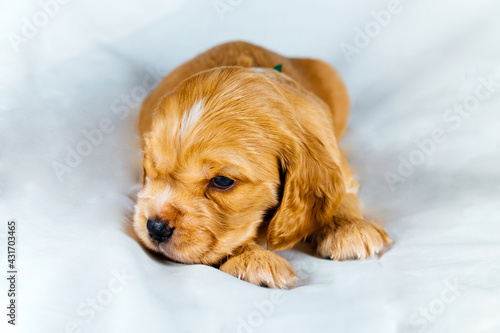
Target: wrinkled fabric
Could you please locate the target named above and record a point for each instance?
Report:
(423, 139)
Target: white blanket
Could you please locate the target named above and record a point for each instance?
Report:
(423, 137)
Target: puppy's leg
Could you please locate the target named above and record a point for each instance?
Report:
(254, 264)
(349, 236)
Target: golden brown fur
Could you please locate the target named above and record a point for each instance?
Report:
(276, 135)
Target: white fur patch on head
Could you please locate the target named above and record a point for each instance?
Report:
(191, 117)
(258, 69)
(162, 198)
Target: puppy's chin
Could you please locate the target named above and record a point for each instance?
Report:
(200, 251)
(191, 255)
(194, 256)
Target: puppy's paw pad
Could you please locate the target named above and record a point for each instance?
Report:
(351, 240)
(262, 268)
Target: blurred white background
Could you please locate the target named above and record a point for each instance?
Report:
(423, 137)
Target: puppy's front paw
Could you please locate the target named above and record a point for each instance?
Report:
(262, 268)
(350, 238)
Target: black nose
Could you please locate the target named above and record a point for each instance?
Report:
(159, 230)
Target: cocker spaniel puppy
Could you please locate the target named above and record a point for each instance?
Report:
(231, 144)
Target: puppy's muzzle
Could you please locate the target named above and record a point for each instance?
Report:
(159, 230)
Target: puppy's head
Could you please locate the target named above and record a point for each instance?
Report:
(225, 148)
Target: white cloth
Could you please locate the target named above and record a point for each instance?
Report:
(75, 85)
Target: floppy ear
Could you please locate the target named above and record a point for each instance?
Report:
(313, 188)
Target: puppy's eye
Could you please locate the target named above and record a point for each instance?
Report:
(222, 182)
